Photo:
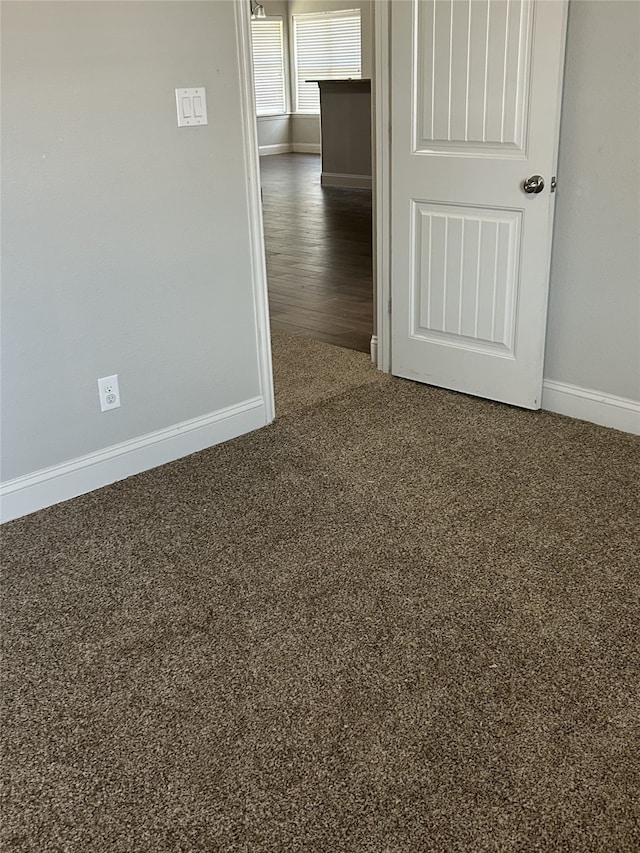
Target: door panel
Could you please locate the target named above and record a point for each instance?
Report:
(472, 74)
(463, 287)
(475, 106)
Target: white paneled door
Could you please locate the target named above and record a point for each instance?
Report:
(476, 87)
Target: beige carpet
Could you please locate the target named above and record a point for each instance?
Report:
(398, 619)
(305, 372)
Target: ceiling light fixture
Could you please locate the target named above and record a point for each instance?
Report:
(257, 10)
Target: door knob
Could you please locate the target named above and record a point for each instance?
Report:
(534, 184)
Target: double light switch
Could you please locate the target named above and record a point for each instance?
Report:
(192, 107)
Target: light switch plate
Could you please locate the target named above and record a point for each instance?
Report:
(192, 107)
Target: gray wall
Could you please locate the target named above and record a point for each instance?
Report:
(274, 130)
(305, 132)
(125, 239)
(593, 335)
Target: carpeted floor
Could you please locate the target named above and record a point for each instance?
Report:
(307, 372)
(398, 619)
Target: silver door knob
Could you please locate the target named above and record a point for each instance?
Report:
(534, 184)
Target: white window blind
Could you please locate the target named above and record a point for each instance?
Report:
(268, 66)
(326, 46)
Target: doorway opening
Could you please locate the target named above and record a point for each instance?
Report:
(316, 207)
(318, 243)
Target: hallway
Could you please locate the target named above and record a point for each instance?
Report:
(319, 255)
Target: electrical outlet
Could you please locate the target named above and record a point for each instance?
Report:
(109, 392)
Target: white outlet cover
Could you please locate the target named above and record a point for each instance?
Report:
(191, 105)
(109, 392)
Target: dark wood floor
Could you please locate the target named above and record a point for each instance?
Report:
(319, 259)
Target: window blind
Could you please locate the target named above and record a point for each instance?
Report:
(268, 66)
(326, 46)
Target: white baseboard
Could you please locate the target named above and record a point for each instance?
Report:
(280, 148)
(373, 348)
(335, 179)
(307, 148)
(49, 486)
(588, 405)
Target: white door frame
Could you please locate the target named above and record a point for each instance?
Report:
(254, 204)
(382, 182)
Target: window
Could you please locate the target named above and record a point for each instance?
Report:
(326, 46)
(268, 66)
